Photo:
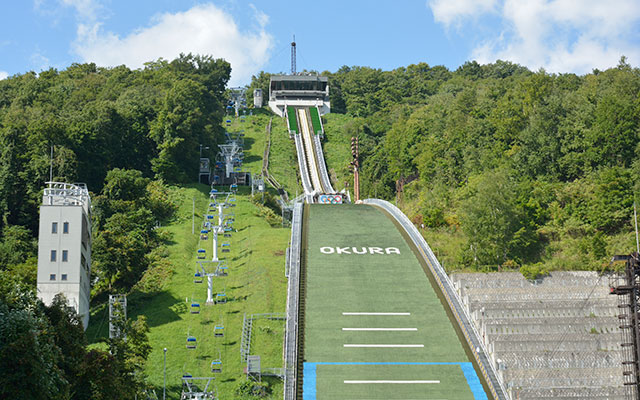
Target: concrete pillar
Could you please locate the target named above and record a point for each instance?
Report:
(215, 244)
(209, 289)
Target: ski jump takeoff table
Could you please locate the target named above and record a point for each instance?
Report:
(374, 326)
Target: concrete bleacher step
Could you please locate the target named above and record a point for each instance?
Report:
(591, 303)
(516, 280)
(595, 327)
(563, 377)
(594, 393)
(556, 310)
(502, 294)
(592, 344)
(560, 359)
(556, 337)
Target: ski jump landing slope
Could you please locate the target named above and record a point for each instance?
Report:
(374, 327)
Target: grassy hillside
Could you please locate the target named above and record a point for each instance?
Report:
(338, 129)
(283, 162)
(255, 284)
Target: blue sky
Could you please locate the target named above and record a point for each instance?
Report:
(557, 35)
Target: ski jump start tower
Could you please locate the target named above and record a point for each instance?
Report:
(298, 90)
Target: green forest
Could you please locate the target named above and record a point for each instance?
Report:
(501, 168)
(127, 134)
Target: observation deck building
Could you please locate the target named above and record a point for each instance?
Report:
(299, 91)
(64, 246)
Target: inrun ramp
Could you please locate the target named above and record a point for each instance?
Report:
(374, 327)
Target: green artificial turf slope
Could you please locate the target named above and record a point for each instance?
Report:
(338, 283)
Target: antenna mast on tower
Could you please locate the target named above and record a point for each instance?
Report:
(293, 56)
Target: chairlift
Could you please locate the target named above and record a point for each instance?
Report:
(218, 331)
(204, 234)
(197, 277)
(191, 342)
(187, 375)
(195, 307)
(227, 235)
(221, 298)
(216, 366)
(226, 247)
(202, 254)
(222, 270)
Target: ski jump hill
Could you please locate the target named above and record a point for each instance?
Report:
(371, 313)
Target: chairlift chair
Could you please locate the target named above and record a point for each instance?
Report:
(216, 366)
(226, 247)
(218, 330)
(204, 234)
(202, 254)
(227, 235)
(197, 277)
(222, 270)
(195, 307)
(191, 342)
(221, 298)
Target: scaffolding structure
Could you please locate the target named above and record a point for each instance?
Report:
(117, 311)
(197, 388)
(627, 287)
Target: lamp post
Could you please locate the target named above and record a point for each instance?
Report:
(164, 388)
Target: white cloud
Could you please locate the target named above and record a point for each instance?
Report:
(559, 35)
(86, 9)
(3, 75)
(453, 11)
(39, 62)
(204, 29)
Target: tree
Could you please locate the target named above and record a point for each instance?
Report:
(489, 218)
(29, 357)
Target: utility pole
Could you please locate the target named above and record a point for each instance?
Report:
(355, 152)
(193, 217)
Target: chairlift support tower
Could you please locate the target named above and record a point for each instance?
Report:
(229, 152)
(117, 302)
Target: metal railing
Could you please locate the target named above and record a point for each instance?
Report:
(293, 289)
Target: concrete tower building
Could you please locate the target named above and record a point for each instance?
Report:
(257, 98)
(64, 246)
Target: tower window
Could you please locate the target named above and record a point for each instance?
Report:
(53, 255)
(52, 277)
(65, 255)
(63, 277)
(65, 227)
(54, 227)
